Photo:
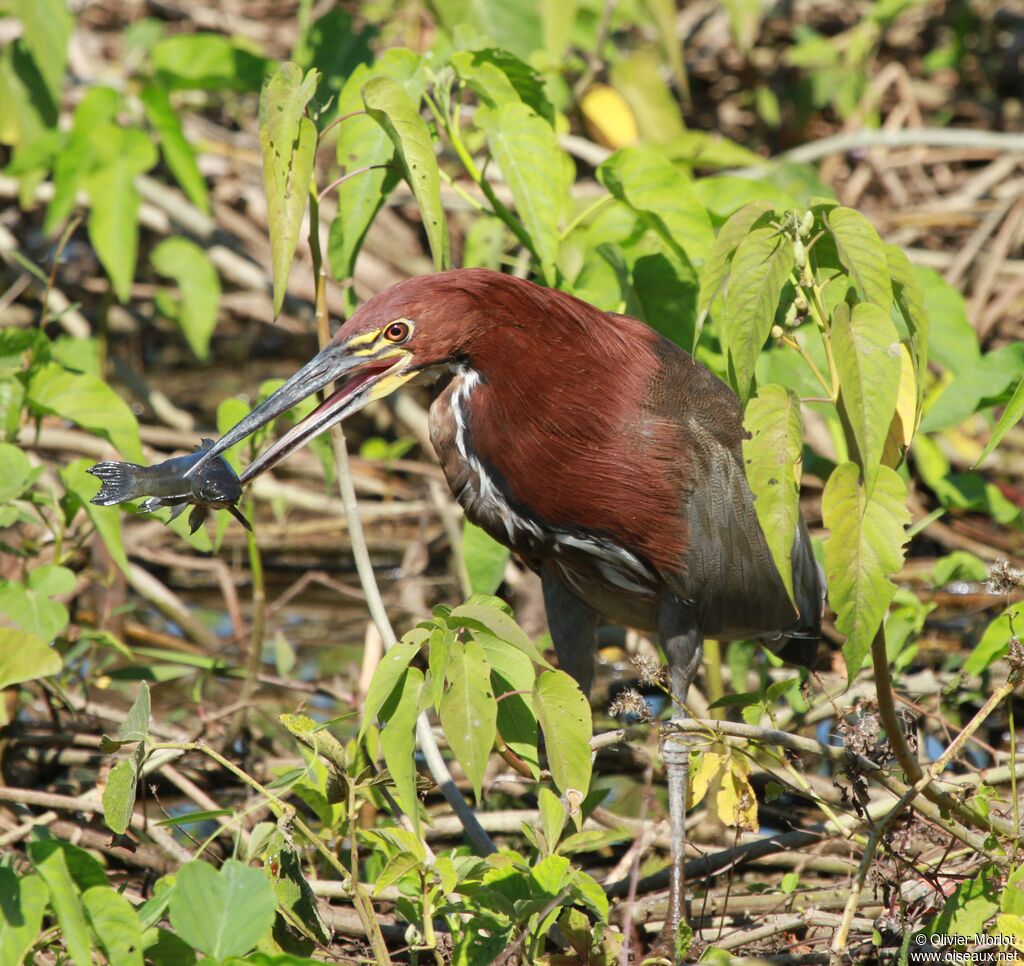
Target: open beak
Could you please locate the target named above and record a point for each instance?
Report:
(359, 381)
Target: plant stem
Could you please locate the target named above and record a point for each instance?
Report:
(364, 566)
(259, 602)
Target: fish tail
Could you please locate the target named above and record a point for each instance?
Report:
(119, 480)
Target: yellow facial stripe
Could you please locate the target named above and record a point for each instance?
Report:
(389, 383)
(370, 339)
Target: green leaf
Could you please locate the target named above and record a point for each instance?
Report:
(23, 899)
(121, 155)
(222, 913)
(468, 711)
(565, 719)
(136, 722)
(398, 739)
(178, 153)
(968, 909)
(116, 925)
(51, 580)
(106, 519)
(977, 386)
(50, 861)
(773, 456)
(863, 253)
(716, 269)
(514, 671)
(485, 559)
(390, 105)
(195, 308)
(954, 343)
(15, 472)
(1012, 415)
(658, 190)
(288, 142)
(390, 669)
(499, 77)
(207, 61)
(525, 148)
(90, 403)
(516, 27)
(32, 612)
(994, 644)
(485, 619)
(47, 27)
(363, 142)
(552, 816)
(760, 269)
(866, 347)
(864, 547)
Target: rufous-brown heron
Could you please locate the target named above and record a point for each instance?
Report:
(599, 451)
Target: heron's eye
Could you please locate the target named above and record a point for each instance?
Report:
(397, 332)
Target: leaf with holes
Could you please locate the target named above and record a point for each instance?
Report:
(390, 105)
(288, 144)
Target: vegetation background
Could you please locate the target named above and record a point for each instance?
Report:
(191, 760)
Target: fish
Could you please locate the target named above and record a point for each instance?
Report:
(216, 486)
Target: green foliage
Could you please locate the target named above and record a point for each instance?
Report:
(194, 306)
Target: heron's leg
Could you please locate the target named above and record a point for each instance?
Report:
(573, 626)
(683, 644)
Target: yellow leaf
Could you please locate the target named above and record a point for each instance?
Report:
(905, 419)
(736, 802)
(1011, 927)
(700, 777)
(608, 117)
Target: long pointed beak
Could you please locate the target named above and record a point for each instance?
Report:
(356, 376)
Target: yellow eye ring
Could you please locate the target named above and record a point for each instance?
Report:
(397, 332)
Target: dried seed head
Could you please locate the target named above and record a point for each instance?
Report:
(648, 670)
(1002, 578)
(1015, 659)
(630, 703)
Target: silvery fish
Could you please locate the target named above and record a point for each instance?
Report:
(215, 486)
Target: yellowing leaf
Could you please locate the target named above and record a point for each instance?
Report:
(709, 765)
(736, 802)
(904, 420)
(608, 117)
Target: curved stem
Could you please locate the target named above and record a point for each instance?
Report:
(364, 567)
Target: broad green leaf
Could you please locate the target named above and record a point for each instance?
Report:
(121, 155)
(514, 671)
(1012, 415)
(468, 711)
(392, 666)
(657, 189)
(485, 559)
(485, 619)
(288, 142)
(866, 347)
(716, 268)
(93, 114)
(638, 78)
(23, 900)
(773, 456)
(484, 246)
(953, 341)
(665, 290)
(981, 384)
(207, 61)
(552, 816)
(222, 913)
(864, 547)
(47, 27)
(178, 153)
(499, 77)
(50, 861)
(525, 148)
(88, 402)
(994, 644)
(106, 519)
(910, 300)
(863, 254)
(968, 909)
(565, 719)
(363, 142)
(15, 472)
(136, 722)
(25, 657)
(295, 896)
(390, 105)
(517, 27)
(760, 269)
(116, 925)
(31, 611)
(195, 307)
(398, 739)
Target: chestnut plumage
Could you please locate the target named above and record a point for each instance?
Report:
(600, 452)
